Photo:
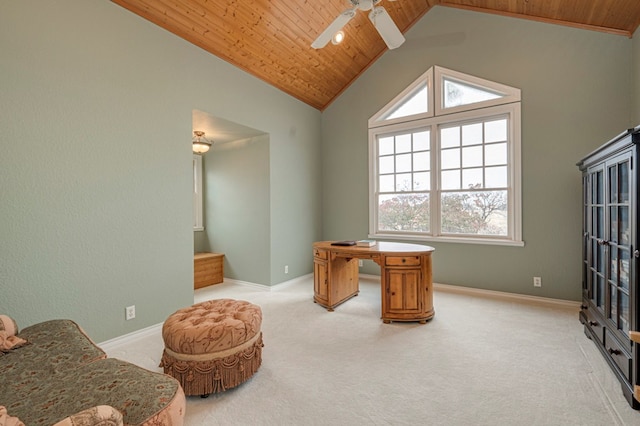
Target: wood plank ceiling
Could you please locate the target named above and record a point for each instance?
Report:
(271, 39)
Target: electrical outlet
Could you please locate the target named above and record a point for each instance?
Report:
(286, 269)
(130, 312)
(360, 263)
(537, 281)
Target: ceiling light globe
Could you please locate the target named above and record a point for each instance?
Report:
(200, 144)
(201, 148)
(337, 37)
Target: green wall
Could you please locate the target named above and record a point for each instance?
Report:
(636, 78)
(237, 207)
(95, 172)
(575, 95)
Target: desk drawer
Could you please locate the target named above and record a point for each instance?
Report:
(402, 261)
(321, 254)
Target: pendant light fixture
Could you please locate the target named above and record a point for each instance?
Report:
(200, 143)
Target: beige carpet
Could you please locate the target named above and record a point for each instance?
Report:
(480, 361)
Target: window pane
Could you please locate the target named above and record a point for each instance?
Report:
(613, 223)
(421, 181)
(387, 183)
(450, 179)
(456, 93)
(403, 143)
(421, 161)
(403, 212)
(495, 131)
(403, 163)
(417, 103)
(472, 156)
(624, 230)
(495, 154)
(472, 178)
(624, 269)
(495, 177)
(403, 182)
(614, 303)
(450, 158)
(483, 213)
(624, 182)
(449, 137)
(386, 165)
(613, 191)
(624, 312)
(421, 141)
(385, 146)
(472, 134)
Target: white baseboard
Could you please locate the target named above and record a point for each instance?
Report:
(130, 337)
(470, 291)
(292, 281)
(504, 295)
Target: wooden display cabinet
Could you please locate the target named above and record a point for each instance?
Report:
(610, 308)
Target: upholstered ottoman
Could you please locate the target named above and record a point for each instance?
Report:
(213, 346)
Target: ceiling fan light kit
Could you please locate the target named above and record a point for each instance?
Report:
(378, 16)
(337, 37)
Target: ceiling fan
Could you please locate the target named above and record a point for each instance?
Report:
(378, 16)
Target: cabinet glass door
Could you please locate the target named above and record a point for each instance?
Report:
(596, 237)
(618, 241)
(586, 281)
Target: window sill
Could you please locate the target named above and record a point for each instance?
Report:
(200, 228)
(459, 240)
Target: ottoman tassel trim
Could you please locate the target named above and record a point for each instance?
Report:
(204, 374)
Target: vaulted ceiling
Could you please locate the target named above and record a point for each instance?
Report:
(271, 39)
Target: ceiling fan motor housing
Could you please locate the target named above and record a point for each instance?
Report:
(364, 4)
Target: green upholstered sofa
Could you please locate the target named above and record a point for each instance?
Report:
(60, 377)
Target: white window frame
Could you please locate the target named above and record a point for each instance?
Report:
(198, 221)
(509, 105)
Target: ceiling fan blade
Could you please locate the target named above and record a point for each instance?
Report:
(333, 28)
(386, 27)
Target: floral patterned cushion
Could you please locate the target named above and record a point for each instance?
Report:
(143, 397)
(61, 372)
(211, 326)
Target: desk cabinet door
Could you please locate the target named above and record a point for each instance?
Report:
(320, 280)
(403, 295)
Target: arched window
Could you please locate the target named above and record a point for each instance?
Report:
(445, 162)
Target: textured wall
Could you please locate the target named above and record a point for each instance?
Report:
(636, 78)
(237, 187)
(95, 172)
(575, 95)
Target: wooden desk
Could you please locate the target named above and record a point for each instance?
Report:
(406, 288)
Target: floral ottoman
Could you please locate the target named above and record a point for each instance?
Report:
(213, 346)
